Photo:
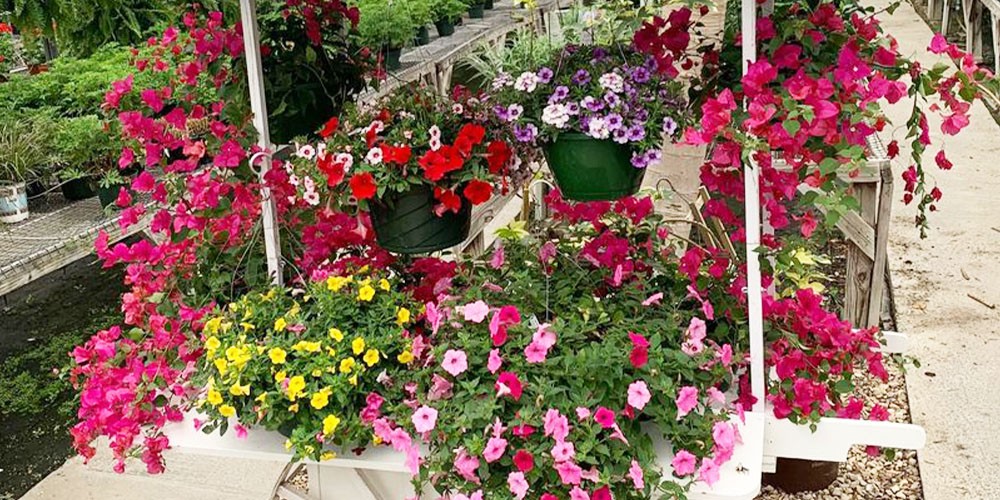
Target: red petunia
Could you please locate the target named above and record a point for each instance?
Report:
(497, 155)
(478, 192)
(449, 200)
(330, 127)
(333, 170)
(363, 186)
(438, 163)
(473, 132)
(399, 155)
(524, 460)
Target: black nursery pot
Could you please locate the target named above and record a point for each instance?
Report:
(406, 222)
(78, 189)
(476, 11)
(423, 36)
(108, 195)
(35, 188)
(445, 27)
(392, 56)
(488, 4)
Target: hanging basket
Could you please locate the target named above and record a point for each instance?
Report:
(77, 189)
(445, 27)
(406, 223)
(588, 169)
(13, 202)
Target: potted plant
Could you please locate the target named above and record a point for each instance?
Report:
(82, 147)
(420, 14)
(416, 162)
(110, 186)
(386, 28)
(475, 8)
(447, 14)
(488, 4)
(599, 113)
(20, 157)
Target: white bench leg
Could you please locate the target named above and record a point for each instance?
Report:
(945, 19)
(995, 26)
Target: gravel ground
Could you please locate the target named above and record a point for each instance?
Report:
(871, 478)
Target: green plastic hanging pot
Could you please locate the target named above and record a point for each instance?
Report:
(445, 27)
(406, 223)
(423, 36)
(476, 11)
(588, 169)
(77, 189)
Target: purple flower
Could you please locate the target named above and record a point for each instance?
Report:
(572, 108)
(592, 104)
(636, 133)
(614, 121)
(526, 133)
(639, 160)
(582, 77)
(599, 54)
(669, 126)
(501, 112)
(620, 136)
(559, 94)
(612, 99)
(544, 75)
(640, 75)
(640, 116)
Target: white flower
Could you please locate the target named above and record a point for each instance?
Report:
(308, 152)
(555, 115)
(435, 132)
(320, 150)
(408, 134)
(311, 197)
(435, 143)
(288, 167)
(345, 158)
(293, 180)
(526, 82)
(514, 112)
(598, 128)
(612, 82)
(457, 108)
(374, 156)
(308, 183)
(502, 80)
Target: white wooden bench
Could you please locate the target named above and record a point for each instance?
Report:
(973, 12)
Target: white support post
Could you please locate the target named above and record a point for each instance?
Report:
(751, 187)
(255, 79)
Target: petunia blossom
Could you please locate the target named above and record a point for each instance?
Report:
(687, 399)
(638, 394)
(517, 484)
(476, 311)
(455, 362)
(495, 448)
(424, 419)
(683, 463)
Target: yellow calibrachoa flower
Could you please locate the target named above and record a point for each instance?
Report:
(212, 325)
(227, 411)
(358, 345)
(212, 344)
(405, 357)
(402, 316)
(247, 326)
(346, 365)
(280, 376)
(277, 355)
(336, 334)
(214, 397)
(239, 390)
(294, 408)
(280, 324)
(376, 439)
(262, 398)
(330, 424)
(335, 283)
(295, 387)
(305, 346)
(222, 365)
(327, 455)
(331, 352)
(288, 444)
(371, 357)
(383, 284)
(320, 399)
(354, 379)
(317, 372)
(366, 293)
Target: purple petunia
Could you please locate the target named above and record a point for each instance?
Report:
(544, 75)
(636, 133)
(640, 74)
(614, 121)
(582, 77)
(501, 112)
(612, 99)
(572, 108)
(592, 104)
(526, 133)
(559, 94)
(620, 136)
(669, 126)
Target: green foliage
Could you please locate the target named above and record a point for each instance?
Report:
(82, 142)
(525, 50)
(447, 10)
(385, 24)
(419, 12)
(23, 155)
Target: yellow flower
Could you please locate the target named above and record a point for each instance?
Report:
(335, 283)
(294, 408)
(383, 284)
(233, 353)
(280, 376)
(405, 357)
(294, 311)
(304, 346)
(402, 316)
(327, 455)
(346, 365)
(277, 355)
(214, 397)
(336, 334)
(227, 411)
(317, 372)
(376, 439)
(366, 293)
(330, 424)
(212, 325)
(295, 387)
(222, 365)
(212, 344)
(280, 324)
(288, 444)
(247, 326)
(371, 357)
(262, 398)
(331, 352)
(363, 270)
(358, 345)
(239, 390)
(320, 399)
(354, 379)
(233, 307)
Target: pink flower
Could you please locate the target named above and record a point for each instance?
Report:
(517, 484)
(508, 383)
(535, 352)
(455, 362)
(498, 257)
(555, 424)
(638, 394)
(716, 396)
(241, 432)
(603, 493)
(494, 361)
(440, 388)
(466, 465)
(494, 449)
(635, 473)
(653, 299)
(687, 399)
(725, 354)
(577, 494)
(434, 316)
(524, 460)
(939, 44)
(605, 417)
(476, 312)
(424, 419)
(683, 463)
(954, 123)
(543, 336)
(569, 472)
(724, 435)
(709, 471)
(582, 413)
(563, 451)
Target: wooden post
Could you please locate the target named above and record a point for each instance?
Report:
(859, 267)
(878, 280)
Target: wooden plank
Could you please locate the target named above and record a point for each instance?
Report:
(855, 229)
(882, 222)
(858, 279)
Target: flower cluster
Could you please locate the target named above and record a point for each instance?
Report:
(607, 93)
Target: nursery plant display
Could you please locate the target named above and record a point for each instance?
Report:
(420, 13)
(446, 14)
(20, 159)
(386, 27)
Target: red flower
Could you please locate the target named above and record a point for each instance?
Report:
(478, 192)
(6, 28)
(474, 133)
(497, 155)
(892, 149)
(524, 460)
(438, 163)
(399, 155)
(333, 170)
(363, 186)
(449, 200)
(942, 161)
(512, 383)
(330, 127)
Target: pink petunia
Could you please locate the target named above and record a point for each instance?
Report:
(582, 413)
(508, 384)
(424, 419)
(555, 424)
(725, 437)
(563, 451)
(543, 336)
(709, 471)
(476, 311)
(466, 465)
(495, 361)
(635, 474)
(535, 352)
(517, 484)
(578, 494)
(455, 362)
(638, 394)
(683, 463)
(569, 472)
(605, 417)
(602, 493)
(687, 399)
(495, 448)
(653, 299)
(716, 396)
(496, 262)
(524, 460)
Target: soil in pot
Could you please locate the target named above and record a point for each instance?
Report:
(423, 36)
(476, 11)
(13, 202)
(78, 189)
(406, 222)
(445, 27)
(588, 169)
(794, 475)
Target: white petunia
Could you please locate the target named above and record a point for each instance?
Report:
(374, 156)
(555, 115)
(307, 151)
(612, 82)
(526, 82)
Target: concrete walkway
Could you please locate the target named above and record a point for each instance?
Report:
(955, 394)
